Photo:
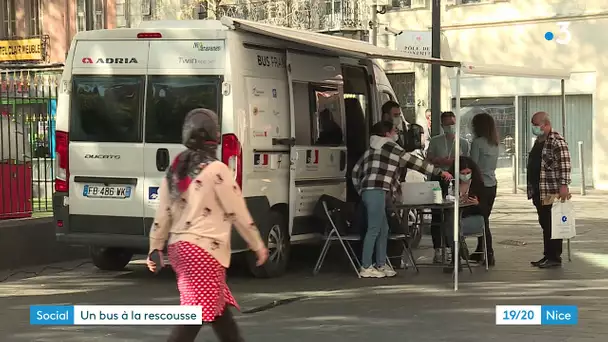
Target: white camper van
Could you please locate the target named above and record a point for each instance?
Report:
(295, 115)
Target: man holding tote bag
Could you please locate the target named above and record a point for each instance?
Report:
(549, 174)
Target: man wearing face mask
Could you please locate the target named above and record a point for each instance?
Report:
(549, 174)
(441, 153)
(391, 111)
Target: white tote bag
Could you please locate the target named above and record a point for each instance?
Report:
(562, 220)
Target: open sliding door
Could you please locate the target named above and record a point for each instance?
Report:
(318, 155)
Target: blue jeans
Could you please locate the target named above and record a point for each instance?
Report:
(376, 236)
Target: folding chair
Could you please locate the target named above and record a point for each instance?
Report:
(482, 234)
(399, 232)
(332, 233)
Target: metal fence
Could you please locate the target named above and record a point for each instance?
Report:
(28, 103)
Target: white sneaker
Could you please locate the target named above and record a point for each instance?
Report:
(371, 272)
(437, 258)
(387, 270)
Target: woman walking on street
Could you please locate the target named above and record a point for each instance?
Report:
(484, 152)
(199, 203)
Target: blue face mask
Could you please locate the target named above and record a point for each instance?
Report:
(536, 130)
(449, 129)
(465, 178)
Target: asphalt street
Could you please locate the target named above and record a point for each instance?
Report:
(336, 306)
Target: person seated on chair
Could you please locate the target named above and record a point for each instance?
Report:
(376, 177)
(471, 191)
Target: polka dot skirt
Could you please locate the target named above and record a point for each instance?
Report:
(201, 279)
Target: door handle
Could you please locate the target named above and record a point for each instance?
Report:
(284, 141)
(342, 160)
(162, 159)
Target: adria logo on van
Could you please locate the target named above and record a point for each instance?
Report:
(101, 156)
(110, 60)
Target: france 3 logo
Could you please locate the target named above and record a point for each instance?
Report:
(562, 36)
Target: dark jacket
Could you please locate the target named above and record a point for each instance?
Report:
(477, 190)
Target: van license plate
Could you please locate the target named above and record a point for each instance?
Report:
(95, 191)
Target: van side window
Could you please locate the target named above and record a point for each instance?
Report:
(318, 115)
(327, 119)
(170, 98)
(106, 108)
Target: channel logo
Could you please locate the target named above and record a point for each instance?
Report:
(562, 35)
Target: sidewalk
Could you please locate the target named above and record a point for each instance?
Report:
(336, 306)
(425, 308)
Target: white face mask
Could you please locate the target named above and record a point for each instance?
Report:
(395, 137)
(449, 129)
(397, 122)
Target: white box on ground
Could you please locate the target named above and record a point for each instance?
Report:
(415, 193)
(137, 315)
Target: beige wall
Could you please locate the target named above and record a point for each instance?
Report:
(512, 33)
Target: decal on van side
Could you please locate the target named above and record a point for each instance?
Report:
(110, 60)
(260, 159)
(194, 60)
(201, 46)
(153, 193)
(101, 156)
(271, 61)
(312, 157)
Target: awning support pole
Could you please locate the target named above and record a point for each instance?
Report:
(563, 85)
(563, 107)
(436, 69)
(456, 255)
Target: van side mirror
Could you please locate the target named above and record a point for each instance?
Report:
(413, 138)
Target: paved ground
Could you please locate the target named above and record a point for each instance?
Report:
(336, 306)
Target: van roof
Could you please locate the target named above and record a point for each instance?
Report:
(184, 24)
(170, 29)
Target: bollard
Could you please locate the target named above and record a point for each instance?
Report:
(581, 166)
(514, 168)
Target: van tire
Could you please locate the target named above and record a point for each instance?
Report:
(278, 258)
(110, 259)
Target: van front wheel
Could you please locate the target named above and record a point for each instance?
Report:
(110, 259)
(276, 239)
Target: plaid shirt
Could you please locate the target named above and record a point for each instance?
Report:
(381, 168)
(555, 169)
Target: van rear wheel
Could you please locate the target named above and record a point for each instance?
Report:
(276, 239)
(110, 259)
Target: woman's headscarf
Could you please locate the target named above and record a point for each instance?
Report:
(200, 134)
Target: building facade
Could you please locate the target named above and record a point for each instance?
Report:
(349, 18)
(560, 34)
(40, 31)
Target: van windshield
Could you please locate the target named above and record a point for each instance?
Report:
(106, 108)
(170, 98)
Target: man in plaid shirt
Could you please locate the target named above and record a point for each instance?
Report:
(549, 169)
(376, 177)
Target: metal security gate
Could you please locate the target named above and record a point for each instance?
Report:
(28, 101)
(404, 85)
(579, 127)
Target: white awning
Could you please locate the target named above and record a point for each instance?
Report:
(337, 45)
(513, 71)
